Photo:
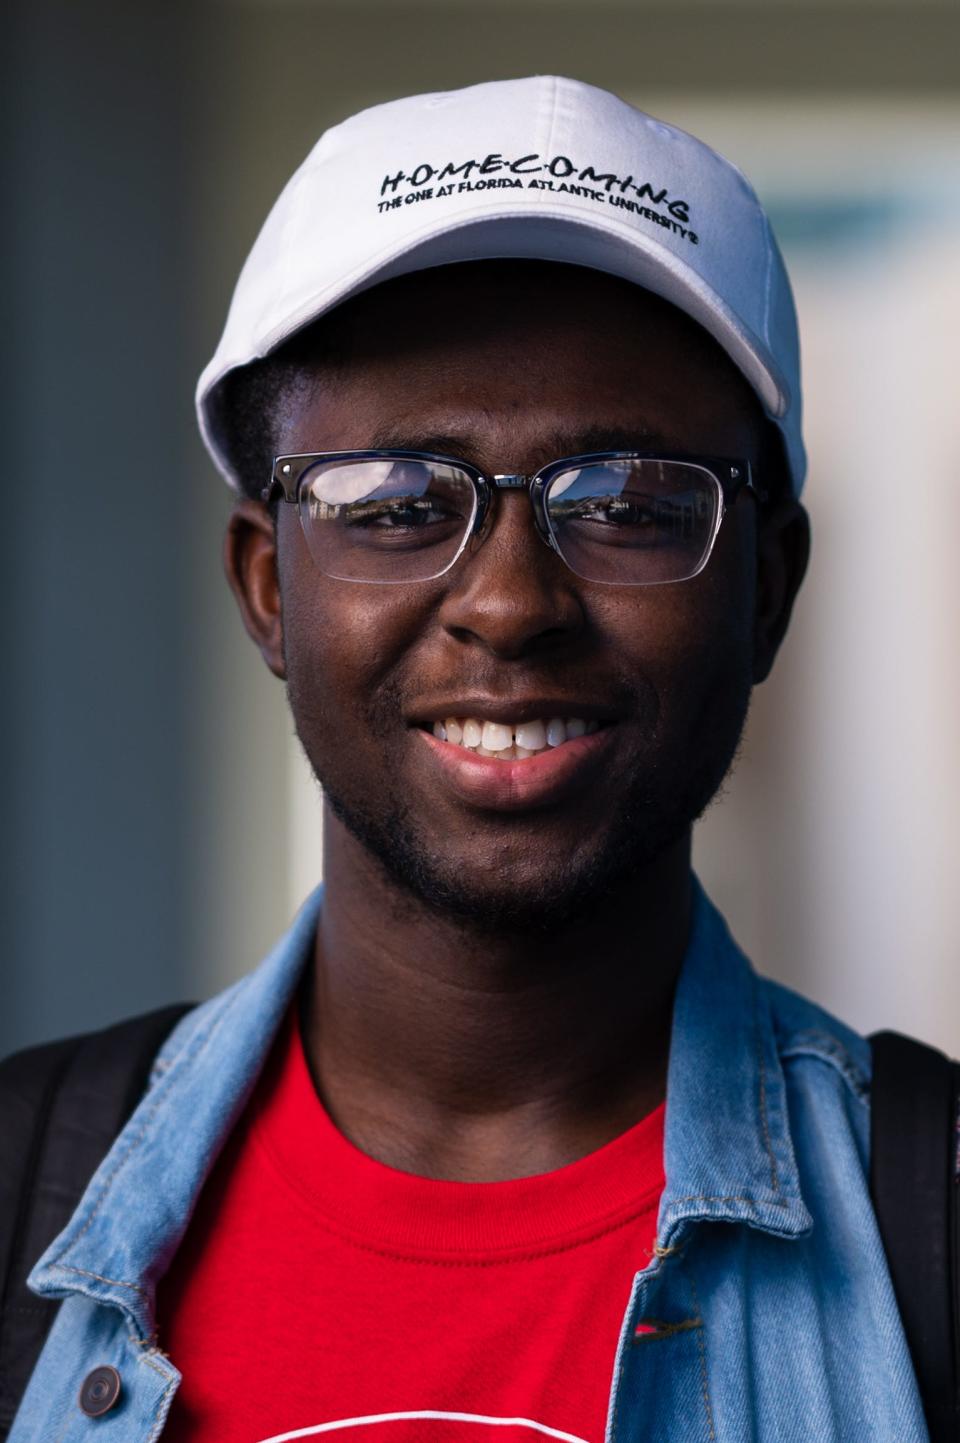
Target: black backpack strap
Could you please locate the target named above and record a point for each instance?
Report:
(915, 1185)
(61, 1106)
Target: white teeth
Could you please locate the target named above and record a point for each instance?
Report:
(511, 743)
(532, 736)
(496, 737)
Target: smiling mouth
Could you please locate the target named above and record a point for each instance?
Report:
(509, 742)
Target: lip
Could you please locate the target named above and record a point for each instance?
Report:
(541, 780)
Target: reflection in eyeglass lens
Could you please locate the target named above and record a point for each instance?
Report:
(656, 518)
(393, 504)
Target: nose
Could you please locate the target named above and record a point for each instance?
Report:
(509, 591)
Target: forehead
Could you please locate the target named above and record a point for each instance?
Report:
(514, 350)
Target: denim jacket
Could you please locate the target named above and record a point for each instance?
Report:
(767, 1309)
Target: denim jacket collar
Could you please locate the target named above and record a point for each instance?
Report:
(728, 1152)
(135, 1211)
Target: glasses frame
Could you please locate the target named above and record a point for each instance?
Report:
(733, 477)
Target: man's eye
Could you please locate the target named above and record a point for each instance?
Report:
(406, 514)
(616, 511)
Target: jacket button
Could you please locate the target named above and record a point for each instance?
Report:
(100, 1391)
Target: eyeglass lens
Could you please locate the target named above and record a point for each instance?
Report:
(631, 522)
(634, 522)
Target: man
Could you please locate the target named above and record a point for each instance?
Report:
(505, 1139)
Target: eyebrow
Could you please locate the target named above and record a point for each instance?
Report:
(466, 445)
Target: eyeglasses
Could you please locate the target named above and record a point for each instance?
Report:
(615, 517)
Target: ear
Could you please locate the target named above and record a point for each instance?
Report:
(250, 561)
(783, 550)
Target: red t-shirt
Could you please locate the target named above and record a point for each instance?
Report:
(316, 1287)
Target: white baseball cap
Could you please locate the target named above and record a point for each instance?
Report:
(544, 168)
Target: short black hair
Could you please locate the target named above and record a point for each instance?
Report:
(772, 470)
(248, 406)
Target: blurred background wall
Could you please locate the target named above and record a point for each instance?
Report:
(159, 825)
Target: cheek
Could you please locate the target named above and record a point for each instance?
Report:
(345, 646)
(675, 628)
(720, 602)
(693, 644)
(716, 665)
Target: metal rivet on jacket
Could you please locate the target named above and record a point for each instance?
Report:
(99, 1391)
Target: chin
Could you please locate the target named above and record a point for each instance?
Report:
(523, 895)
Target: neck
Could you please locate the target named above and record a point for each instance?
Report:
(452, 1054)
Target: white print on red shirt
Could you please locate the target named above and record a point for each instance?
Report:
(442, 1428)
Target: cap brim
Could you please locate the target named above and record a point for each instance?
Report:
(519, 235)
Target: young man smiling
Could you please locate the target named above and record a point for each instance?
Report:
(505, 1140)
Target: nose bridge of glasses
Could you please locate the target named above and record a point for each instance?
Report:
(517, 481)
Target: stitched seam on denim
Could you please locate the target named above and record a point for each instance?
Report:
(161, 1422)
(158, 1427)
(707, 1197)
(170, 1385)
(764, 1120)
(113, 1282)
(702, 1350)
(148, 1362)
(654, 1271)
(198, 1048)
(192, 1024)
(822, 1047)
